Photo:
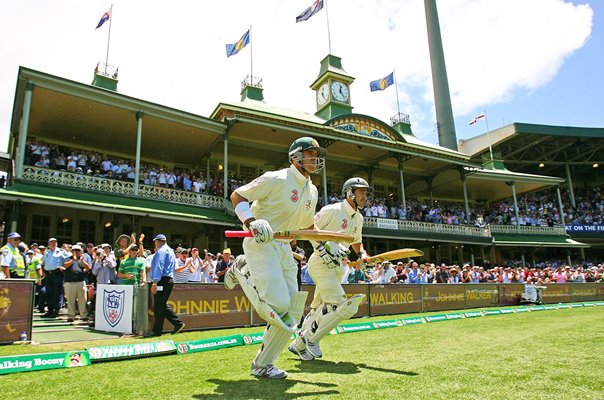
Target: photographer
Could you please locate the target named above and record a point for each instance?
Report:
(104, 265)
(74, 283)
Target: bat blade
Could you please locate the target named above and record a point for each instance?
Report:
(391, 255)
(303, 234)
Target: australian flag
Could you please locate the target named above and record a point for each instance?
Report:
(104, 19)
(310, 11)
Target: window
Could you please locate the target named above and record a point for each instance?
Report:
(247, 173)
(87, 231)
(64, 230)
(40, 229)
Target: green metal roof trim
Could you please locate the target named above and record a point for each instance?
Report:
(116, 99)
(435, 237)
(535, 241)
(551, 130)
(137, 205)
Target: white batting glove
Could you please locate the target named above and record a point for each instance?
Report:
(261, 230)
(337, 250)
(328, 259)
(363, 258)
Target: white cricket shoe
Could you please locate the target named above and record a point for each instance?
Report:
(268, 372)
(230, 280)
(298, 347)
(313, 349)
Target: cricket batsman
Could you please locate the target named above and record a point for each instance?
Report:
(281, 200)
(330, 306)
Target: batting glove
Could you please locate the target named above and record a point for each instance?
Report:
(261, 230)
(364, 258)
(328, 259)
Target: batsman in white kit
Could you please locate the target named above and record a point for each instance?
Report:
(281, 200)
(330, 306)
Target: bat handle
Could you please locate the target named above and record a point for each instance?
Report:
(238, 234)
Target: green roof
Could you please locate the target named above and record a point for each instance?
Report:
(535, 241)
(71, 197)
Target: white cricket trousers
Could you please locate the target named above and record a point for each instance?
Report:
(328, 286)
(73, 291)
(273, 270)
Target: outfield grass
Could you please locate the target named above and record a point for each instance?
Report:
(540, 355)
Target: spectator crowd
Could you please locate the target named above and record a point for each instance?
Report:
(535, 209)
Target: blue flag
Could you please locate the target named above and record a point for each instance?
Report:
(310, 11)
(104, 19)
(234, 48)
(383, 83)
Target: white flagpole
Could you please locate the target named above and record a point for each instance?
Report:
(488, 134)
(251, 59)
(398, 106)
(108, 37)
(328, 33)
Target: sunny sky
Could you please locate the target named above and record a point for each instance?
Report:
(537, 61)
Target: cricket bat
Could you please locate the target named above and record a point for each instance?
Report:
(389, 256)
(303, 234)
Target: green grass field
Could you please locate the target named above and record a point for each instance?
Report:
(540, 355)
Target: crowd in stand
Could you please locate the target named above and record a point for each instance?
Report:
(536, 209)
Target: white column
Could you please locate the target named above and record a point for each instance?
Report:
(23, 131)
(139, 139)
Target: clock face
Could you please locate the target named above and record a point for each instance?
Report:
(339, 91)
(323, 94)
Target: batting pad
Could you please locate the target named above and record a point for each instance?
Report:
(275, 337)
(326, 318)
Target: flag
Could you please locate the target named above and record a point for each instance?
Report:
(476, 118)
(104, 19)
(310, 11)
(383, 83)
(234, 48)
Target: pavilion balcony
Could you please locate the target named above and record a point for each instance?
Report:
(119, 187)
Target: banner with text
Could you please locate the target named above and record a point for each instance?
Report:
(203, 306)
(481, 295)
(16, 309)
(395, 299)
(106, 353)
(510, 293)
(585, 231)
(443, 296)
(37, 362)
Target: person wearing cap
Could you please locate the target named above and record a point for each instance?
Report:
(132, 270)
(194, 263)
(162, 278)
(11, 260)
(75, 284)
(52, 262)
(454, 278)
(182, 271)
(224, 265)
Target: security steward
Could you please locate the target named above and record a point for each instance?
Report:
(53, 261)
(162, 278)
(11, 260)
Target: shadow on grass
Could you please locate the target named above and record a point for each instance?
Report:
(263, 388)
(343, 367)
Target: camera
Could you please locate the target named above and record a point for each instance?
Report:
(100, 252)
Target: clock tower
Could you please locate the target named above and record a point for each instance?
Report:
(332, 88)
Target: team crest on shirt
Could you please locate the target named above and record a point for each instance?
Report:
(295, 196)
(344, 223)
(307, 205)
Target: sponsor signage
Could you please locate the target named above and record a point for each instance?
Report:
(507, 311)
(436, 318)
(455, 316)
(556, 293)
(37, 362)
(585, 230)
(253, 338)
(537, 308)
(209, 344)
(510, 293)
(481, 295)
(585, 291)
(522, 309)
(16, 309)
(443, 296)
(355, 327)
(385, 324)
(395, 299)
(413, 321)
(551, 307)
(383, 223)
(203, 306)
(473, 314)
(103, 353)
(492, 312)
(114, 308)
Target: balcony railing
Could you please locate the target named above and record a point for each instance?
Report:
(419, 226)
(88, 182)
(528, 230)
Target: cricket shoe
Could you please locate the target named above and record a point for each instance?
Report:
(230, 279)
(298, 347)
(268, 372)
(313, 349)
